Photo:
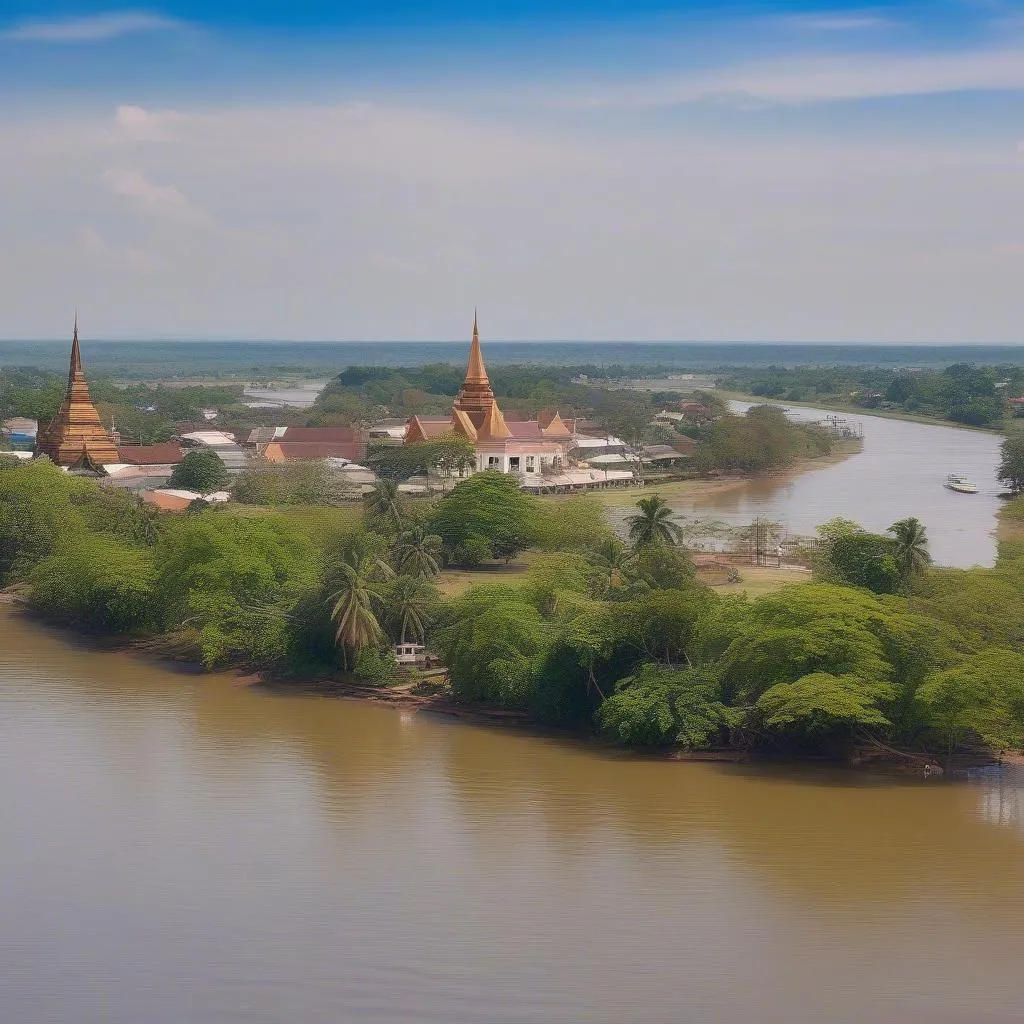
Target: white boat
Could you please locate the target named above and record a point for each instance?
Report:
(961, 484)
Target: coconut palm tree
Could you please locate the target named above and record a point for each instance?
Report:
(615, 561)
(653, 523)
(910, 547)
(384, 503)
(359, 575)
(409, 608)
(417, 552)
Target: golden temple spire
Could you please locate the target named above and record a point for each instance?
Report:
(76, 429)
(476, 372)
(76, 355)
(475, 397)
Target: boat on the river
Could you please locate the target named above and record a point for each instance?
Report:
(961, 484)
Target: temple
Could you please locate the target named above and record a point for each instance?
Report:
(75, 437)
(508, 446)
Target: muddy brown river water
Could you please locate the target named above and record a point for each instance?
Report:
(180, 848)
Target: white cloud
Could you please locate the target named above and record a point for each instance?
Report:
(148, 125)
(160, 200)
(839, 22)
(93, 28)
(370, 221)
(820, 79)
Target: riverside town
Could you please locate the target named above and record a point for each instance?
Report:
(512, 513)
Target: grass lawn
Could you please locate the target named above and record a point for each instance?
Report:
(760, 580)
(453, 582)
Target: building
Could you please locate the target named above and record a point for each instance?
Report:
(222, 444)
(508, 446)
(75, 437)
(285, 444)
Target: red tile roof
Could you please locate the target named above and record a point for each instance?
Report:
(167, 454)
(333, 435)
(283, 451)
(525, 430)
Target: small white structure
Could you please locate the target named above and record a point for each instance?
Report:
(410, 655)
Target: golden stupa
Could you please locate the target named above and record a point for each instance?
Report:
(75, 436)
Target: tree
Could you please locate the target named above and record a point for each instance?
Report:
(1011, 467)
(661, 707)
(227, 585)
(384, 504)
(653, 524)
(866, 560)
(357, 580)
(910, 547)
(95, 582)
(479, 511)
(615, 563)
(409, 607)
(820, 703)
(201, 470)
(983, 696)
(450, 454)
(417, 552)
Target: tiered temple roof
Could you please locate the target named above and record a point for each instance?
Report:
(75, 436)
(476, 414)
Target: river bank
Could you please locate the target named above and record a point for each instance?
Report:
(856, 410)
(705, 487)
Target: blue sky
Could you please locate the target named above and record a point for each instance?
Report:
(611, 169)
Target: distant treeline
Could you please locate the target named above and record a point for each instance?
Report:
(962, 392)
(268, 359)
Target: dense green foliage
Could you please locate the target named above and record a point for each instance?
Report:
(483, 517)
(298, 482)
(1011, 464)
(880, 648)
(761, 440)
(200, 470)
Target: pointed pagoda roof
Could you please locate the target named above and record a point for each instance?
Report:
(475, 397)
(556, 427)
(493, 425)
(76, 433)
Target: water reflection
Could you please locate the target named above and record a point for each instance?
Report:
(212, 852)
(899, 473)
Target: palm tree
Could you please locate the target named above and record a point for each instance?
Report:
(910, 547)
(353, 604)
(417, 552)
(614, 560)
(410, 607)
(653, 523)
(385, 503)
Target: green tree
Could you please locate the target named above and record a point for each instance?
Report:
(200, 470)
(819, 704)
(615, 563)
(660, 707)
(910, 546)
(384, 505)
(417, 552)
(479, 511)
(96, 582)
(653, 523)
(450, 455)
(358, 580)
(410, 604)
(982, 696)
(1011, 465)
(226, 586)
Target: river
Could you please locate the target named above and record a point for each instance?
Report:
(900, 472)
(182, 848)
